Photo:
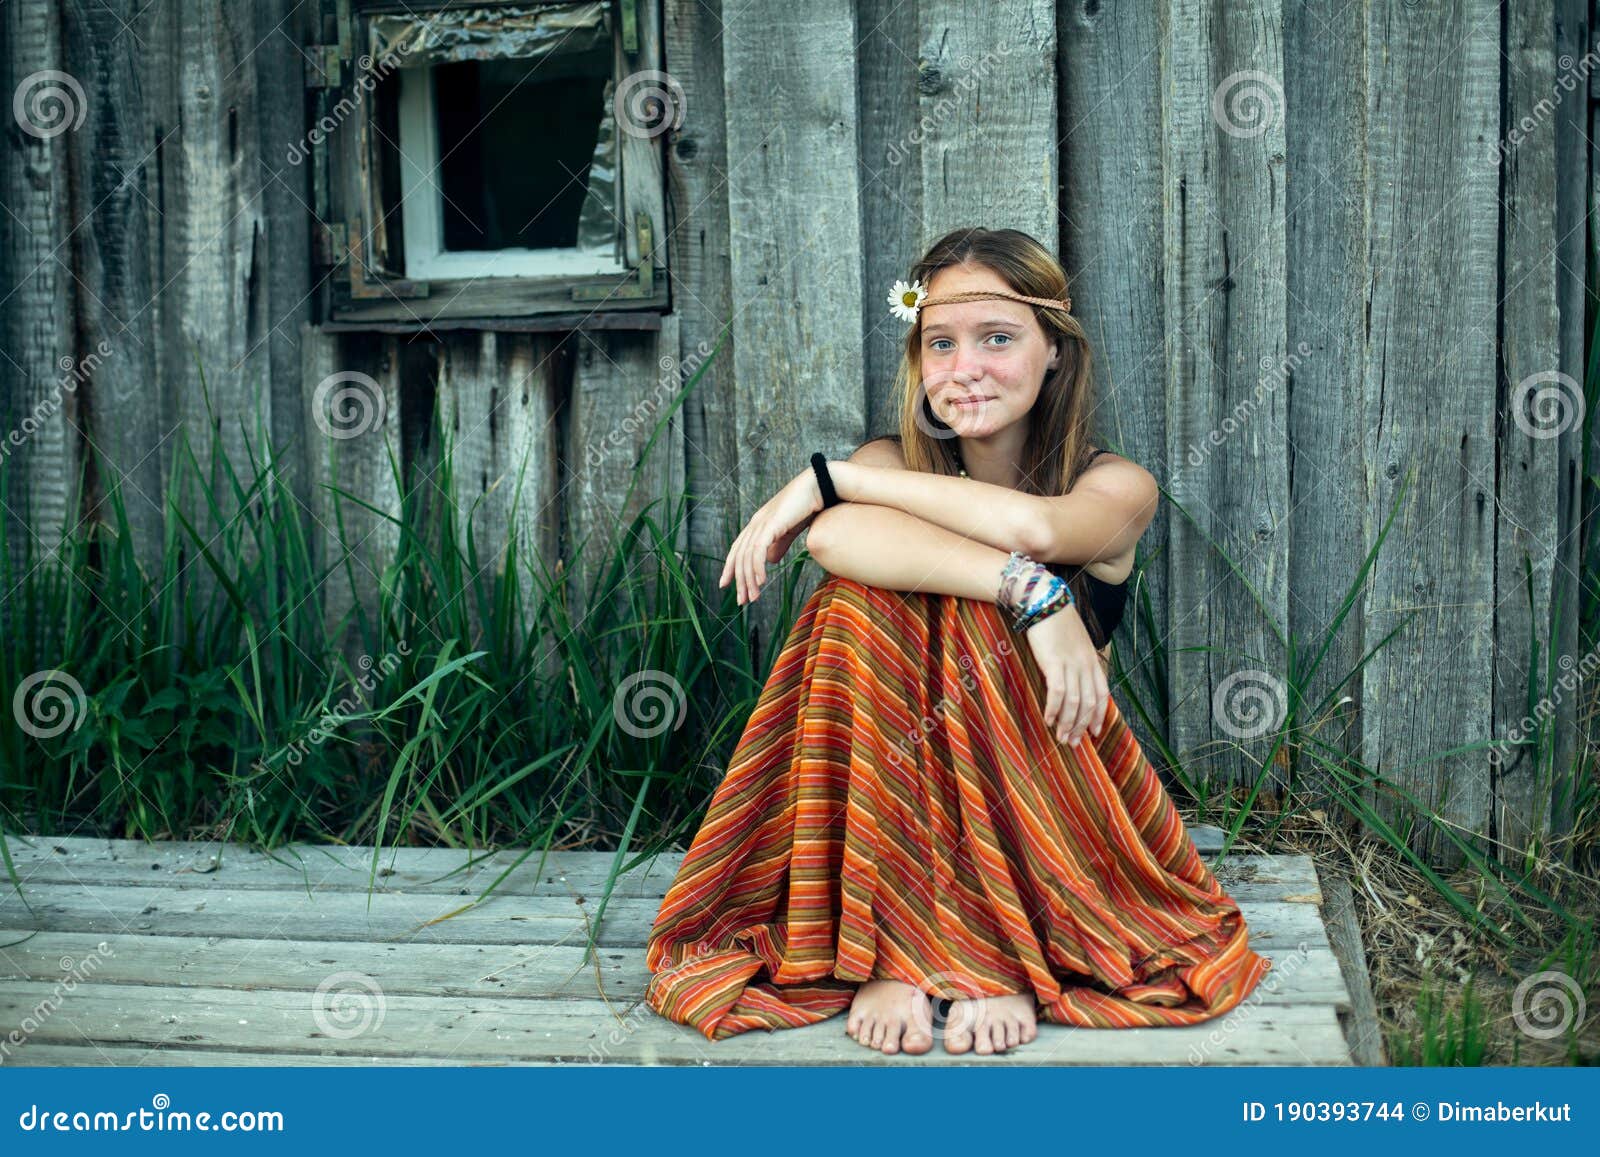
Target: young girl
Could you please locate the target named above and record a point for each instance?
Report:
(936, 795)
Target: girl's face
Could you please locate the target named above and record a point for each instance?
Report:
(983, 361)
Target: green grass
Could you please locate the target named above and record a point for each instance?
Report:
(1442, 1035)
(459, 710)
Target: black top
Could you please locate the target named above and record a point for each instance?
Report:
(1106, 600)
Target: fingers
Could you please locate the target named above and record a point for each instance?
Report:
(1084, 705)
(1093, 700)
(1102, 699)
(730, 570)
(1071, 702)
(747, 564)
(1054, 691)
(733, 569)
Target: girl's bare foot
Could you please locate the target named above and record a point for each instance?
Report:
(890, 1015)
(994, 1023)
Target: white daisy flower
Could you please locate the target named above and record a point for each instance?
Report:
(905, 299)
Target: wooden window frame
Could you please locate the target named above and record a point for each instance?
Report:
(360, 283)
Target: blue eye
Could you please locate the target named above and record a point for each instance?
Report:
(939, 343)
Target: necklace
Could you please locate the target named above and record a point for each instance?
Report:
(961, 466)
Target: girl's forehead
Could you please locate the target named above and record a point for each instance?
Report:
(984, 319)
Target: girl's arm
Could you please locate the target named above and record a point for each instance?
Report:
(1102, 516)
(889, 548)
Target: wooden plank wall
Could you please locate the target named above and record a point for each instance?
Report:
(1223, 157)
(1428, 409)
(1305, 285)
(41, 471)
(794, 225)
(1326, 239)
(1111, 235)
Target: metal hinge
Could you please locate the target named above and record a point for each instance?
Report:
(645, 286)
(322, 66)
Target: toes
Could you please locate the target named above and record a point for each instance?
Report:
(863, 1030)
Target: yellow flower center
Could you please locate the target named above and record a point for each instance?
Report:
(908, 298)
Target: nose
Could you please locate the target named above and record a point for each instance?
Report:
(967, 365)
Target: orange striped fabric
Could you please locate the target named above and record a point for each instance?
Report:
(897, 807)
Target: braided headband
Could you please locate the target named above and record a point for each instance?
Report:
(905, 300)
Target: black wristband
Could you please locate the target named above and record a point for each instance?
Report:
(819, 466)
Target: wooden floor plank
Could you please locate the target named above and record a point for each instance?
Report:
(443, 871)
(384, 917)
(460, 970)
(209, 961)
(592, 1031)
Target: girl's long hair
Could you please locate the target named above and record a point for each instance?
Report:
(1058, 444)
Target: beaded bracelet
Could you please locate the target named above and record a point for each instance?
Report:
(1042, 595)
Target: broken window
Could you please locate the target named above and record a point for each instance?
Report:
(474, 167)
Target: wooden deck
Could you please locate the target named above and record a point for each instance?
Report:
(209, 962)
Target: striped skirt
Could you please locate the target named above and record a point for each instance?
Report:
(896, 807)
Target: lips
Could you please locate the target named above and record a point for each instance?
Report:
(970, 401)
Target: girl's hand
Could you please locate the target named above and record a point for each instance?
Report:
(1074, 678)
(769, 533)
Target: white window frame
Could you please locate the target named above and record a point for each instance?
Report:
(422, 209)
